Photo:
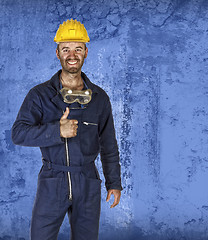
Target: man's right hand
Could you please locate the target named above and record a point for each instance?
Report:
(68, 127)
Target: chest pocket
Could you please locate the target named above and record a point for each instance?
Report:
(89, 134)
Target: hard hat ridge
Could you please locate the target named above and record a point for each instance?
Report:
(71, 31)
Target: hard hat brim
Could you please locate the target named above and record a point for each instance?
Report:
(70, 41)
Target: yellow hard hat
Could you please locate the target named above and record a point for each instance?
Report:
(71, 31)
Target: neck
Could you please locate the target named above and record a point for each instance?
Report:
(71, 81)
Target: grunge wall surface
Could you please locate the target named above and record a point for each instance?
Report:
(151, 57)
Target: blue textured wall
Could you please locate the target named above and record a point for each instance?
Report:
(151, 56)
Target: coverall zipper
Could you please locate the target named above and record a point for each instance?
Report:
(68, 173)
(88, 123)
(68, 164)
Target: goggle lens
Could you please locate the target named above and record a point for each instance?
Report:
(71, 96)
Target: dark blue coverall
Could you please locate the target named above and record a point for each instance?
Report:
(38, 125)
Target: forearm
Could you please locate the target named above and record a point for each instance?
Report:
(42, 135)
(112, 171)
(109, 149)
(110, 156)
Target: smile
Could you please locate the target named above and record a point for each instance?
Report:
(72, 62)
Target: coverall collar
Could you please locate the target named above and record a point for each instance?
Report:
(57, 99)
(55, 82)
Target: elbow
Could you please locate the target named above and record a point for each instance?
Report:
(16, 136)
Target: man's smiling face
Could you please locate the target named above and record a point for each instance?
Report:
(71, 56)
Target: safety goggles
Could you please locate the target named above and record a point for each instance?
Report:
(71, 96)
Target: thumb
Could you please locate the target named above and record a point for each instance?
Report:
(65, 115)
(108, 196)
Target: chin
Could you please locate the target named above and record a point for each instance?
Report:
(73, 70)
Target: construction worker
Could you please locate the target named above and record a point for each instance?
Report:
(70, 119)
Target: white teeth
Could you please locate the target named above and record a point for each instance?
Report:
(72, 62)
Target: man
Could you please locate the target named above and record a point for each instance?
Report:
(70, 136)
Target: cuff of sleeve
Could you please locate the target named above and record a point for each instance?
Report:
(117, 187)
(54, 133)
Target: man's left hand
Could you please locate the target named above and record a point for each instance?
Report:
(117, 195)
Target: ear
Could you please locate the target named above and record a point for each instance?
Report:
(57, 54)
(86, 52)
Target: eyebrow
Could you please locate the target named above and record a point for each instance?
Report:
(69, 48)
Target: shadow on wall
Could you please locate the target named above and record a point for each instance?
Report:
(10, 238)
(135, 233)
(132, 232)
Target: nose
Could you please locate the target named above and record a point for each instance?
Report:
(71, 54)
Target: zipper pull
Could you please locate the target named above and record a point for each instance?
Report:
(88, 123)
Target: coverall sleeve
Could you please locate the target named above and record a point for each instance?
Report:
(28, 130)
(109, 150)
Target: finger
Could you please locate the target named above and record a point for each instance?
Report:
(73, 134)
(116, 201)
(74, 121)
(65, 115)
(108, 196)
(75, 128)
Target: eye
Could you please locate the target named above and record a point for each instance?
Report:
(65, 50)
(78, 50)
